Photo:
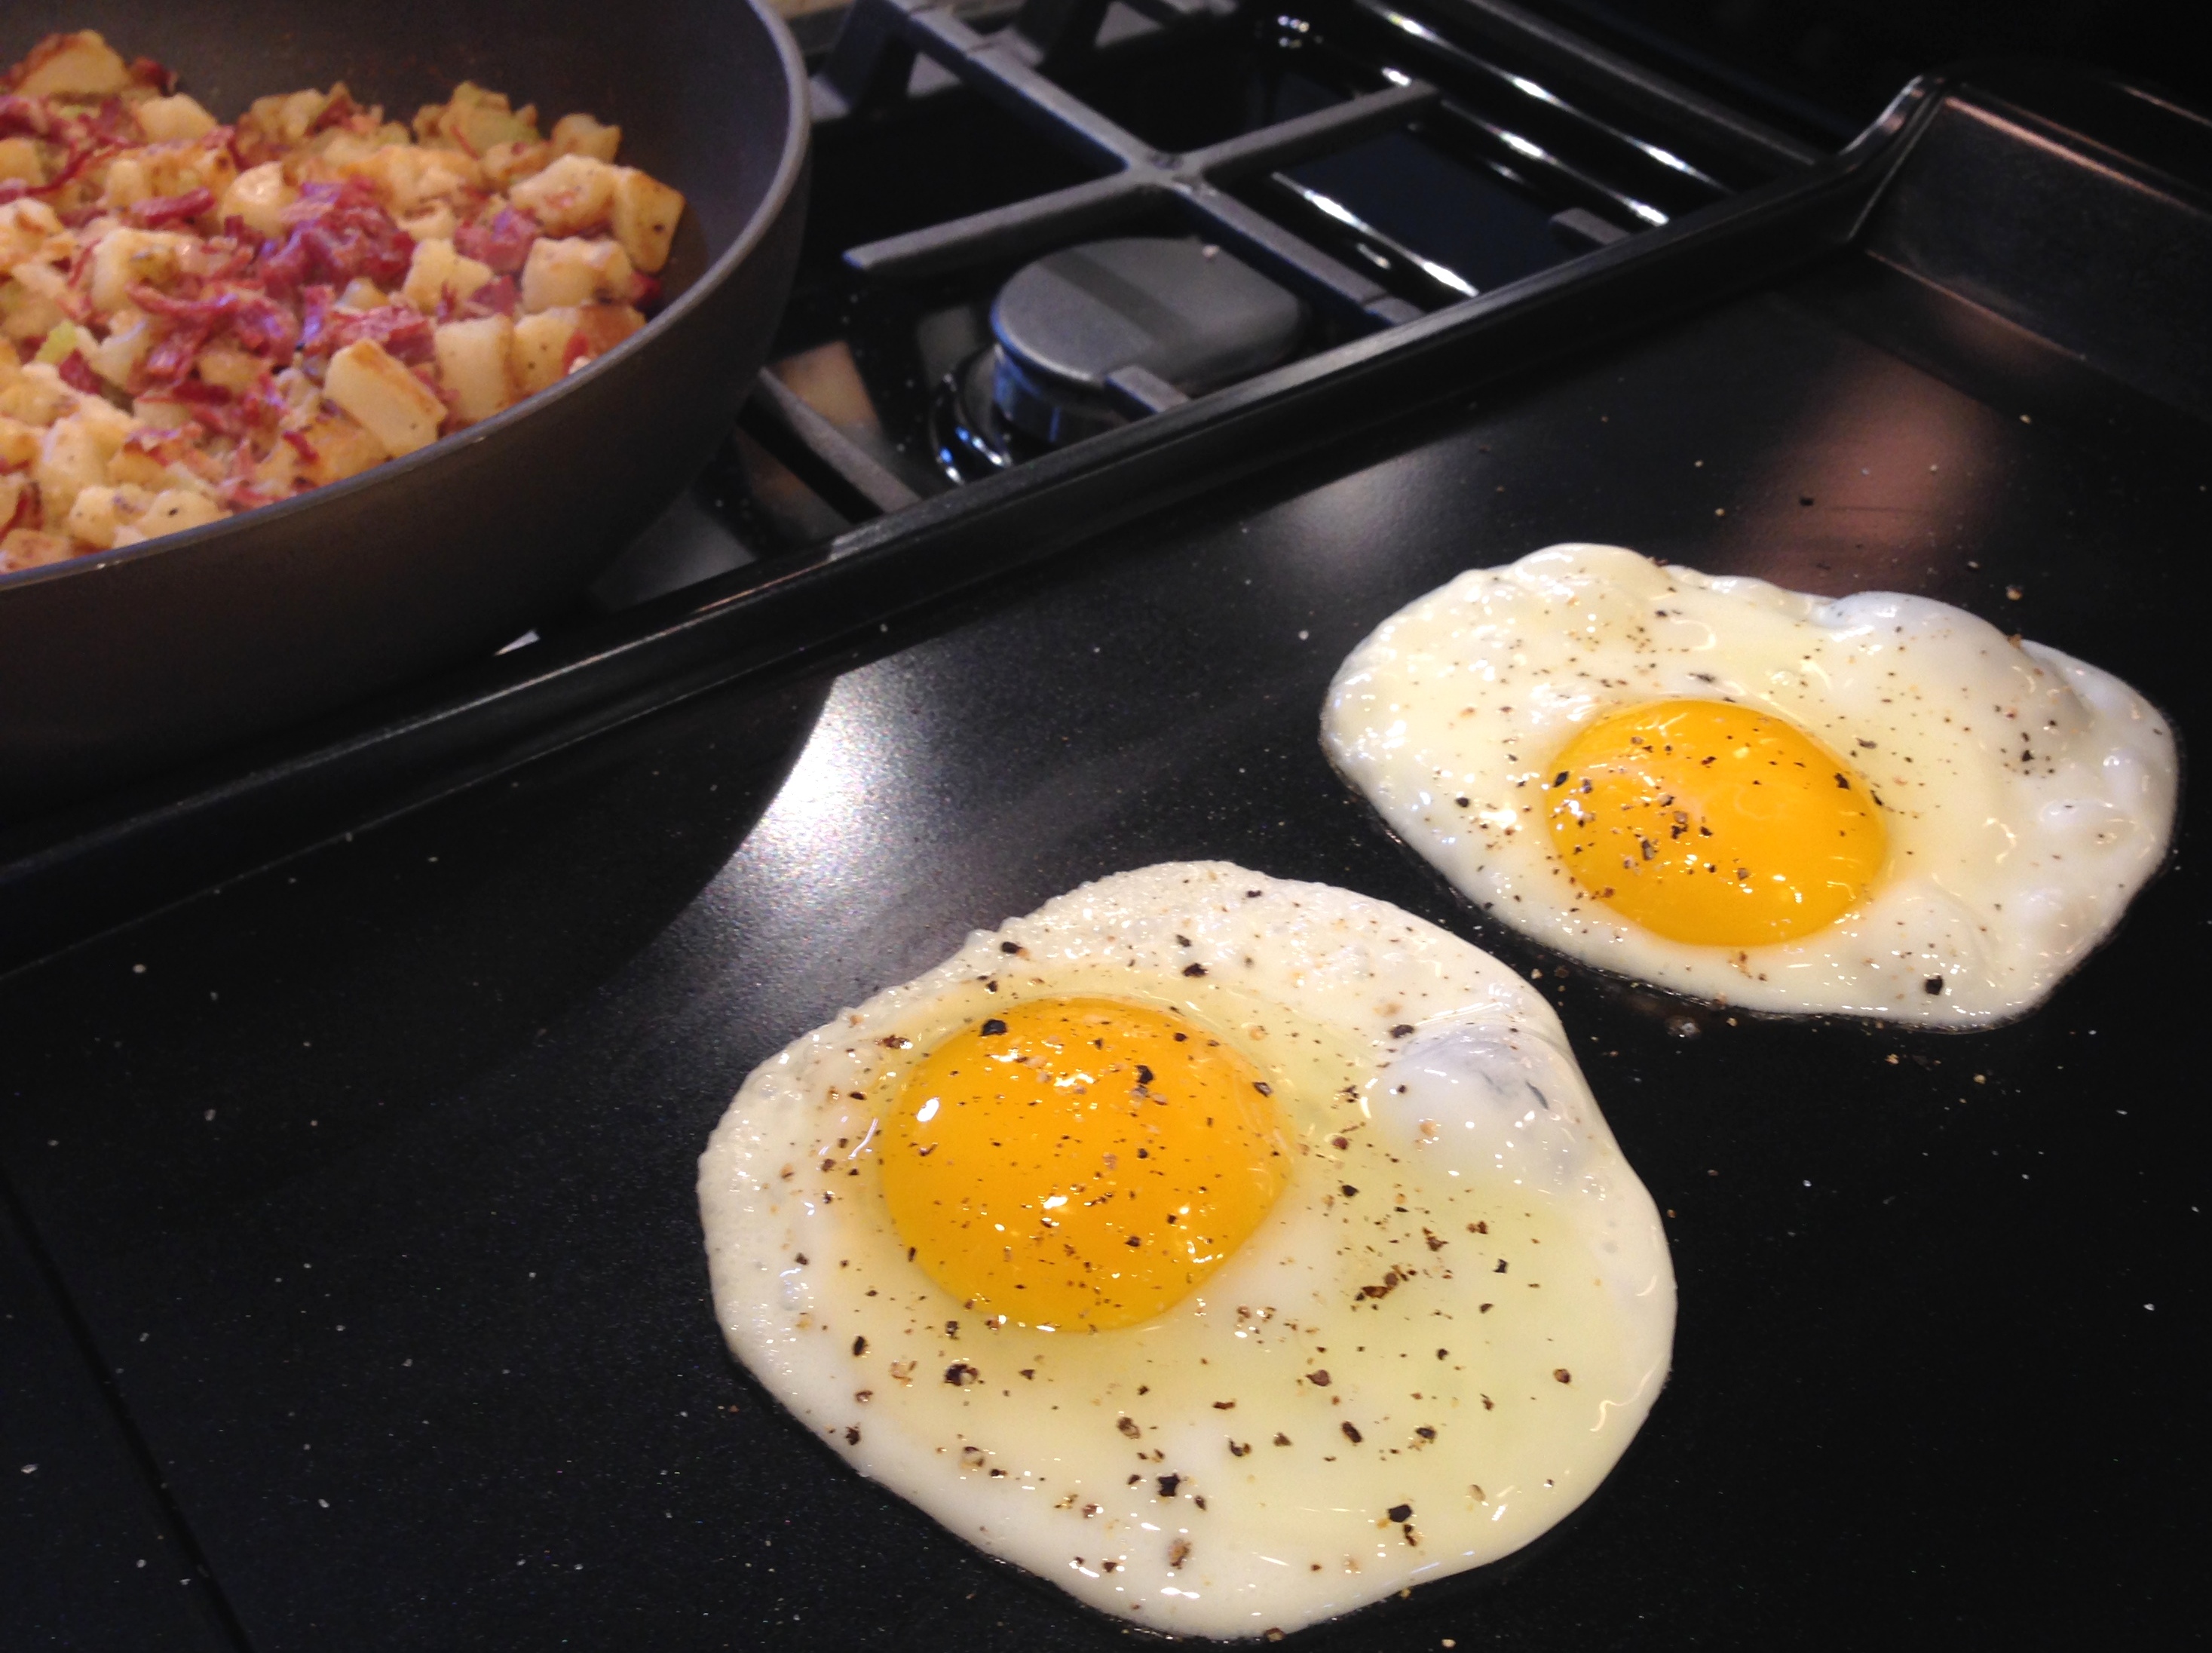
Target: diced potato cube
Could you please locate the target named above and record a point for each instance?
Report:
(37, 397)
(179, 117)
(538, 346)
(407, 179)
(12, 486)
(646, 213)
(71, 458)
(98, 513)
(79, 65)
(505, 164)
(384, 398)
(137, 464)
(175, 509)
(230, 367)
(435, 222)
(575, 271)
(160, 412)
(19, 158)
(179, 168)
(438, 270)
(30, 315)
(339, 448)
(27, 548)
(575, 194)
(124, 256)
(605, 325)
(342, 149)
(130, 337)
(473, 358)
(579, 133)
(547, 344)
(26, 227)
(362, 294)
(125, 184)
(281, 471)
(19, 448)
(259, 195)
(475, 119)
(284, 117)
(110, 426)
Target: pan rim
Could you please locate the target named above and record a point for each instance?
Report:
(791, 165)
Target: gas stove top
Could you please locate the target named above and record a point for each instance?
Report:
(1038, 224)
(1143, 358)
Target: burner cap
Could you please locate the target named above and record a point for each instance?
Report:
(1095, 333)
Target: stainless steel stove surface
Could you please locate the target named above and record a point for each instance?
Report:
(1142, 360)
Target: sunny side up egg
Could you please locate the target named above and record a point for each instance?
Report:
(1231, 1252)
(1877, 806)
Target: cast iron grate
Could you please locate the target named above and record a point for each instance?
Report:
(1443, 71)
(1014, 66)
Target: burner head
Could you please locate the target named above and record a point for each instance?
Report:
(1095, 334)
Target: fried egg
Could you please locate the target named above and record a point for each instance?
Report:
(1874, 805)
(1231, 1252)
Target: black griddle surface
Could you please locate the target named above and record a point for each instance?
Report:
(372, 1175)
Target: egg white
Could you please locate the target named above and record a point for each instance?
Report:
(2028, 796)
(1438, 1405)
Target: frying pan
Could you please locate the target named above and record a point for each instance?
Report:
(124, 663)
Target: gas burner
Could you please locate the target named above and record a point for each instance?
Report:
(1093, 336)
(970, 438)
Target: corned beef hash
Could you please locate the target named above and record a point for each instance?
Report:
(198, 318)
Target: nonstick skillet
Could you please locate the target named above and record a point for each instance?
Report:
(121, 664)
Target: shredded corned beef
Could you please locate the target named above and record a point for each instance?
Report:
(79, 376)
(497, 297)
(328, 327)
(225, 412)
(162, 210)
(504, 243)
(174, 352)
(338, 233)
(24, 118)
(256, 323)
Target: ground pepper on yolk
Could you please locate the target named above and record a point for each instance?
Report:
(1078, 1163)
(1714, 824)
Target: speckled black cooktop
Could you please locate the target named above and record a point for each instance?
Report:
(367, 1182)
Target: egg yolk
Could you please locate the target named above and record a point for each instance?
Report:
(1714, 824)
(1080, 1163)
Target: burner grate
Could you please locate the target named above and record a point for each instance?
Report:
(1382, 159)
(873, 62)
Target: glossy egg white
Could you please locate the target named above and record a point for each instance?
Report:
(2028, 796)
(1436, 1344)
